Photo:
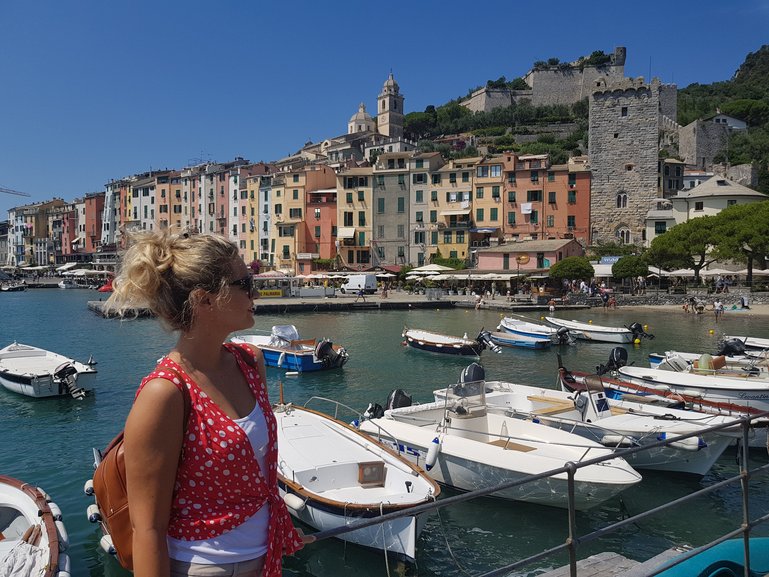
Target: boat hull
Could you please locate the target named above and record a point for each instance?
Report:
(595, 333)
(331, 475)
(442, 344)
(22, 506)
(521, 341)
(398, 537)
(470, 458)
(300, 356)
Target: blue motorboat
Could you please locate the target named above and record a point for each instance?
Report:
(284, 349)
(521, 341)
(448, 344)
(525, 328)
(726, 559)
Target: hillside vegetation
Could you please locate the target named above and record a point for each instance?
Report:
(745, 96)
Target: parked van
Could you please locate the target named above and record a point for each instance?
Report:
(356, 282)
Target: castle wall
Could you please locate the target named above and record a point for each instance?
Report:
(569, 85)
(623, 151)
(487, 99)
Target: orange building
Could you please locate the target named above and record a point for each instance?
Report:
(544, 201)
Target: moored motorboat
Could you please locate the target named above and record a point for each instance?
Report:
(521, 341)
(752, 343)
(447, 344)
(331, 475)
(588, 413)
(560, 336)
(652, 393)
(467, 447)
(33, 539)
(36, 372)
(68, 283)
(726, 559)
(285, 350)
(12, 287)
(599, 333)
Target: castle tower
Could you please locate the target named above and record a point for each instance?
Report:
(390, 109)
(623, 138)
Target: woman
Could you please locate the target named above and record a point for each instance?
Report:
(200, 456)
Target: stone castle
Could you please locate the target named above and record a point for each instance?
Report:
(565, 83)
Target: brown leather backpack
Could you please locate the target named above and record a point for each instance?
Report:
(109, 487)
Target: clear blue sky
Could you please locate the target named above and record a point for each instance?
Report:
(94, 90)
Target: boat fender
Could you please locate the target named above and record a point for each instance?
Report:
(106, 545)
(281, 358)
(616, 441)
(65, 567)
(293, 502)
(88, 487)
(690, 444)
(93, 513)
(432, 453)
(55, 511)
(61, 530)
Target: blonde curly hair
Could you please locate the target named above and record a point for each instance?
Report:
(161, 270)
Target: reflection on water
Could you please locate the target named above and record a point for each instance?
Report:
(49, 441)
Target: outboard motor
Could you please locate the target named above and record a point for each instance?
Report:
(330, 357)
(563, 336)
(373, 411)
(731, 347)
(65, 375)
(471, 381)
(639, 332)
(397, 398)
(617, 359)
(484, 337)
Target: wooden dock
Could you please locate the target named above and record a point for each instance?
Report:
(613, 565)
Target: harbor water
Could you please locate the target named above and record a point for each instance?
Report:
(48, 442)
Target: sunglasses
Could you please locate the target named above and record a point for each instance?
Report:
(246, 283)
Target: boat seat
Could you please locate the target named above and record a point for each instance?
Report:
(24, 353)
(509, 445)
(556, 405)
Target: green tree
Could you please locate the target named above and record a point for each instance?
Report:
(690, 243)
(572, 267)
(630, 266)
(743, 234)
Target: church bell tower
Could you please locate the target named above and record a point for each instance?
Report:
(390, 109)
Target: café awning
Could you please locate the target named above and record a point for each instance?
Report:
(458, 212)
(345, 232)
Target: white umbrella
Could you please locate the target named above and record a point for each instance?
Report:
(385, 275)
(756, 272)
(681, 272)
(430, 268)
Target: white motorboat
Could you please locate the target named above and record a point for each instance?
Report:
(331, 475)
(467, 447)
(705, 364)
(752, 343)
(588, 413)
(605, 334)
(745, 391)
(68, 283)
(535, 330)
(35, 372)
(33, 539)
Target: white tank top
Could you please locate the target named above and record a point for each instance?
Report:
(249, 539)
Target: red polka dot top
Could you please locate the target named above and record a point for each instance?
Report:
(219, 484)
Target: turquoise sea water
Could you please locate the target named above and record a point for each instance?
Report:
(48, 442)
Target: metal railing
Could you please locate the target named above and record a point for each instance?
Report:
(573, 540)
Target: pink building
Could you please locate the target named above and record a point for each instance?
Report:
(528, 255)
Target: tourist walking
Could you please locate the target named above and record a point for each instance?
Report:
(360, 295)
(718, 308)
(200, 440)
